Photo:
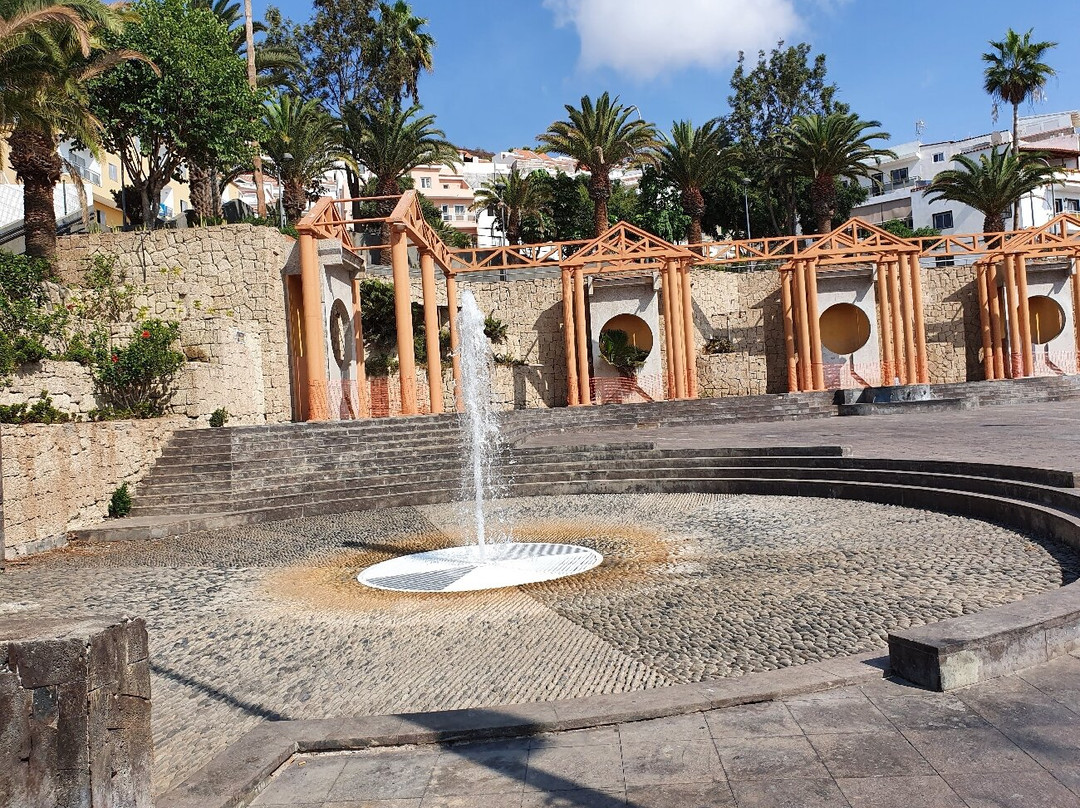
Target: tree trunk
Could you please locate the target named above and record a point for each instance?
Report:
(202, 193)
(693, 204)
(599, 193)
(294, 200)
(148, 198)
(823, 200)
(352, 179)
(37, 165)
(1016, 152)
(994, 224)
(513, 227)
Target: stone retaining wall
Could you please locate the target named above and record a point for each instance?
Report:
(74, 713)
(58, 478)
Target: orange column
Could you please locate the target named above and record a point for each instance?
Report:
(897, 318)
(1012, 304)
(888, 368)
(573, 394)
(363, 400)
(455, 339)
(787, 314)
(669, 334)
(996, 331)
(802, 328)
(984, 321)
(922, 360)
(688, 332)
(678, 338)
(582, 348)
(399, 259)
(1028, 359)
(314, 338)
(906, 310)
(431, 331)
(1076, 306)
(814, 318)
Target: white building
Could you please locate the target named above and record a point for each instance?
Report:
(896, 189)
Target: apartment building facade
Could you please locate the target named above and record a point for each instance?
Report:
(897, 186)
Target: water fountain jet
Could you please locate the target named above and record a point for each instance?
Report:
(485, 564)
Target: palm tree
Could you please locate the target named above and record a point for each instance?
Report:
(57, 105)
(1015, 73)
(693, 158)
(825, 148)
(512, 198)
(402, 51)
(302, 143)
(600, 137)
(994, 184)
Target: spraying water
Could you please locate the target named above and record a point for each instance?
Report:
(481, 426)
(484, 564)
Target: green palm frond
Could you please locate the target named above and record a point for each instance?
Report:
(1014, 68)
(391, 142)
(602, 136)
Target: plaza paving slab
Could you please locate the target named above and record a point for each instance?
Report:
(884, 744)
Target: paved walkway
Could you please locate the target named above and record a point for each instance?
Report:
(1010, 743)
(1042, 435)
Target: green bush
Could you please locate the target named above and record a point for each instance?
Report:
(136, 379)
(616, 348)
(495, 330)
(218, 417)
(719, 345)
(27, 323)
(120, 503)
(41, 411)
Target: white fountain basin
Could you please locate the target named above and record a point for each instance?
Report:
(469, 568)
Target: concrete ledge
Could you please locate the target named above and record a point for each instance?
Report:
(236, 776)
(965, 650)
(907, 407)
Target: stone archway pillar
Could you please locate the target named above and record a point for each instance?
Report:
(314, 338)
(431, 332)
(787, 313)
(573, 393)
(399, 259)
(455, 338)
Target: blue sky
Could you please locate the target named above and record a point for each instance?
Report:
(504, 68)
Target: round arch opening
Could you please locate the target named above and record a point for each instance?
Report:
(637, 331)
(845, 328)
(1047, 318)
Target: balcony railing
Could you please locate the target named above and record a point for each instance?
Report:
(459, 217)
(84, 171)
(880, 188)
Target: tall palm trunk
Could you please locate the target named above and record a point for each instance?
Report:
(994, 224)
(202, 192)
(294, 200)
(1016, 151)
(600, 192)
(822, 198)
(37, 165)
(693, 204)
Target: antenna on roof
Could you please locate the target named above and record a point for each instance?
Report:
(920, 125)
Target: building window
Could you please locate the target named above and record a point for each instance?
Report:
(939, 157)
(877, 182)
(1066, 205)
(446, 187)
(459, 210)
(425, 182)
(943, 220)
(898, 176)
(114, 172)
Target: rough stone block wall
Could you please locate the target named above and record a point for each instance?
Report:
(218, 282)
(69, 384)
(74, 713)
(58, 478)
(951, 306)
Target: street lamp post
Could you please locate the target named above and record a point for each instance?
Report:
(746, 203)
(281, 189)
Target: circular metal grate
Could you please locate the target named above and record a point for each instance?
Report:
(466, 569)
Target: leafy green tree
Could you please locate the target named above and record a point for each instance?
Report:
(992, 185)
(621, 353)
(601, 136)
(825, 148)
(400, 51)
(301, 142)
(694, 158)
(764, 101)
(512, 198)
(568, 214)
(136, 380)
(898, 227)
(659, 207)
(848, 195)
(199, 111)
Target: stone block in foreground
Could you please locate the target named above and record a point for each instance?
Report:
(74, 713)
(965, 650)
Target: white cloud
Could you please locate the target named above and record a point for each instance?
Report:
(645, 38)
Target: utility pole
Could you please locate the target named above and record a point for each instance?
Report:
(249, 33)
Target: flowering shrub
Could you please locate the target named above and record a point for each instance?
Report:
(136, 380)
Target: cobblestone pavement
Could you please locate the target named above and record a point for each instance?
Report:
(1009, 743)
(1043, 435)
(268, 622)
